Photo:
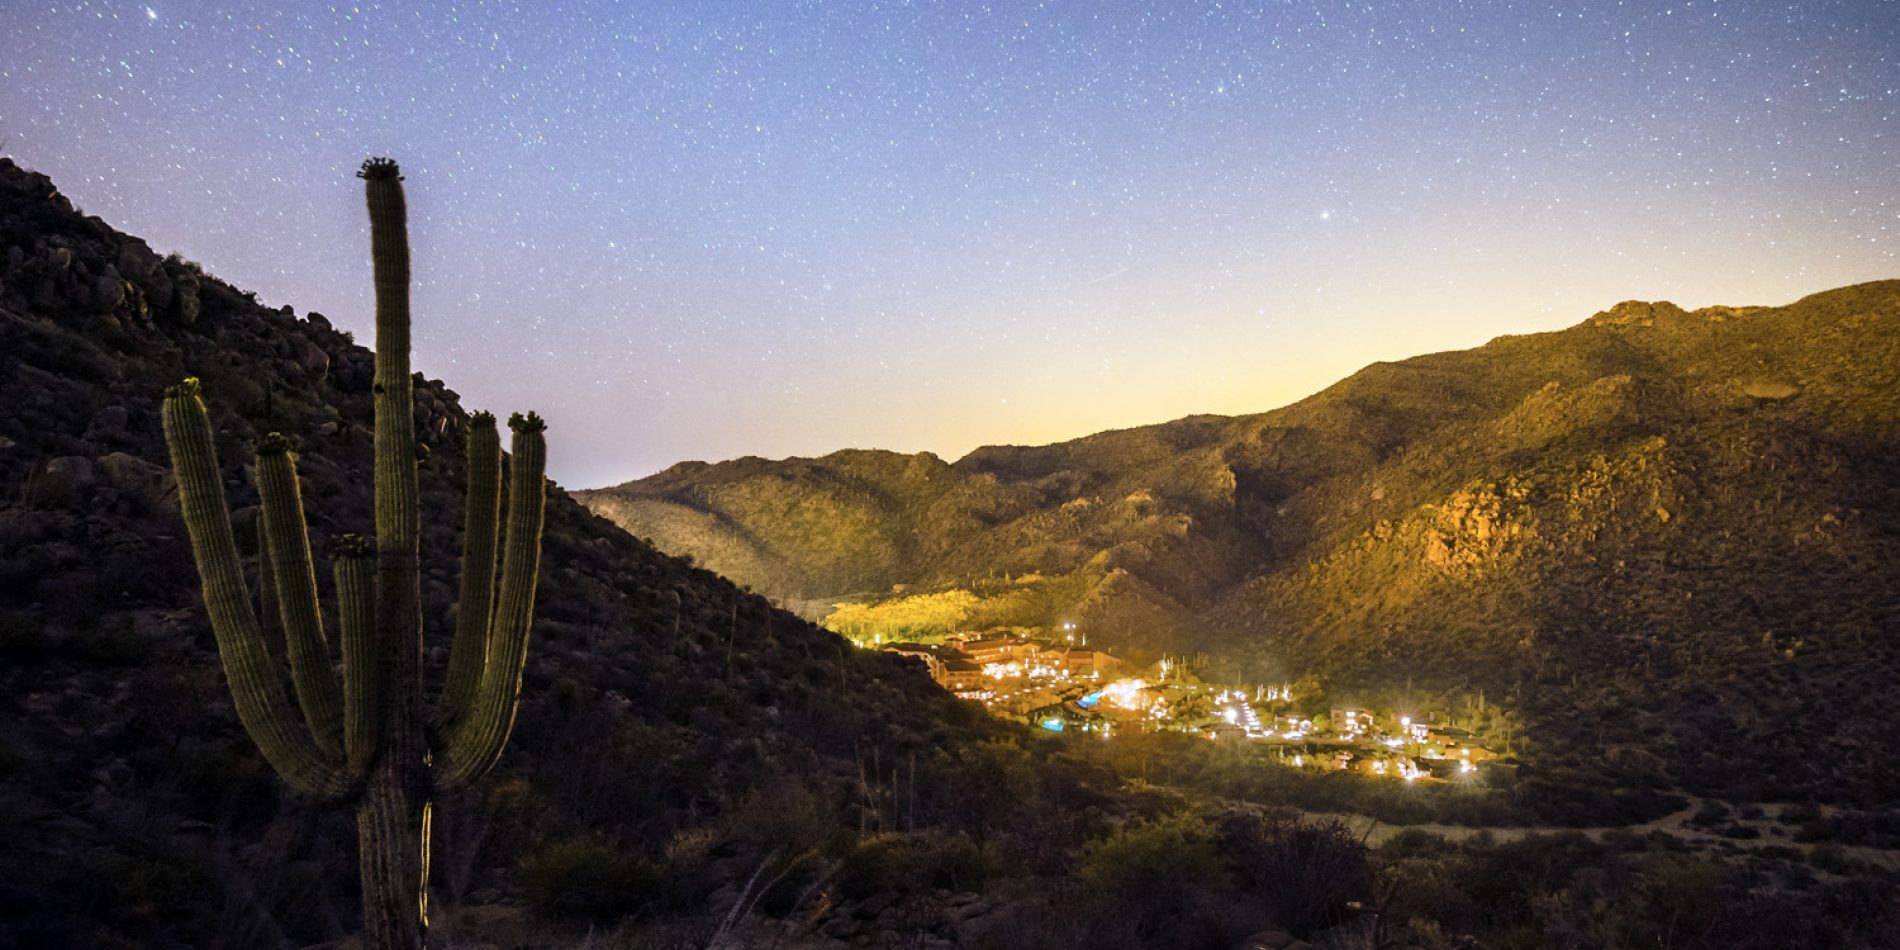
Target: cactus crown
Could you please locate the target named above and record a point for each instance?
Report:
(276, 443)
(481, 419)
(378, 169)
(184, 387)
(527, 423)
(355, 546)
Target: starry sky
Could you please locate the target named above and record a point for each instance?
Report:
(705, 230)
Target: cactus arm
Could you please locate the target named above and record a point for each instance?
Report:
(469, 650)
(262, 704)
(476, 743)
(281, 498)
(356, 623)
(268, 620)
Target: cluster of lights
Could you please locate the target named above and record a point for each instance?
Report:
(1015, 669)
(1235, 706)
(1274, 694)
(1127, 694)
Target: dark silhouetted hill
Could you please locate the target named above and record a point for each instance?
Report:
(674, 728)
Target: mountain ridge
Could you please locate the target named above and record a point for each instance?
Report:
(1407, 523)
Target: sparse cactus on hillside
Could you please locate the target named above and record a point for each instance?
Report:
(369, 739)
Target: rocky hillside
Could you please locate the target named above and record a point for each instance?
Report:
(1666, 537)
(674, 727)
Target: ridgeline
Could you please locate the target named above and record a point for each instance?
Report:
(1668, 539)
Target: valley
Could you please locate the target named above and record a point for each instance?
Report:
(1652, 536)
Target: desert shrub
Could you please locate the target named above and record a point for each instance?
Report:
(1307, 873)
(1413, 842)
(1798, 813)
(111, 641)
(909, 863)
(785, 816)
(1152, 884)
(1710, 814)
(985, 787)
(1819, 829)
(1833, 859)
(588, 876)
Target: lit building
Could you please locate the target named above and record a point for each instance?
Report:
(1004, 650)
(958, 675)
(1351, 721)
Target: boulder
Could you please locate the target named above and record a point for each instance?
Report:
(66, 478)
(108, 291)
(185, 302)
(32, 184)
(311, 357)
(134, 477)
(138, 263)
(1637, 313)
(108, 421)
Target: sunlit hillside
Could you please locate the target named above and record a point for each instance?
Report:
(1675, 527)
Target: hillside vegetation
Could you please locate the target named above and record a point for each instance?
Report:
(675, 730)
(1668, 538)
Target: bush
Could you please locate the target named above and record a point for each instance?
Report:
(588, 876)
(1711, 813)
(786, 817)
(1820, 829)
(911, 863)
(1150, 882)
(1799, 813)
(1307, 873)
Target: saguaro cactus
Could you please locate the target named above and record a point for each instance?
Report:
(371, 741)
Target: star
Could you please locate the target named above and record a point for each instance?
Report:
(778, 229)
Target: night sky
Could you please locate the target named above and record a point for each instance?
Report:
(761, 227)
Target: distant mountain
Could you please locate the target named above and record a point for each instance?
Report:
(1669, 537)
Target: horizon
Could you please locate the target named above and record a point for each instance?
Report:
(953, 459)
(707, 233)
